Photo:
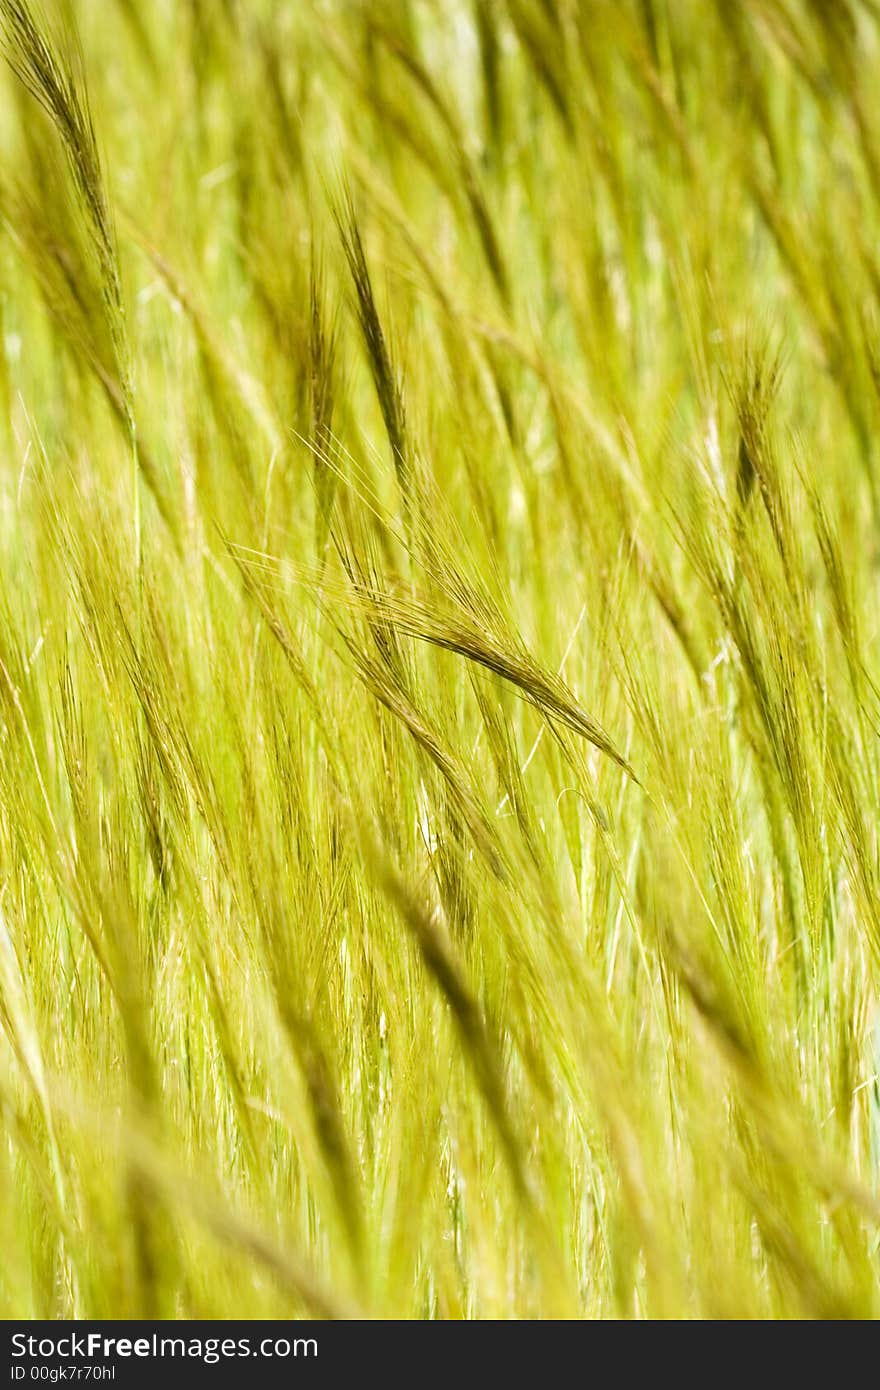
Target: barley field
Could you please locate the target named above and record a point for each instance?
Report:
(439, 659)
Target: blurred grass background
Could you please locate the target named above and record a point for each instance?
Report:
(439, 518)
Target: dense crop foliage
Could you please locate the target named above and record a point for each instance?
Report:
(439, 665)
